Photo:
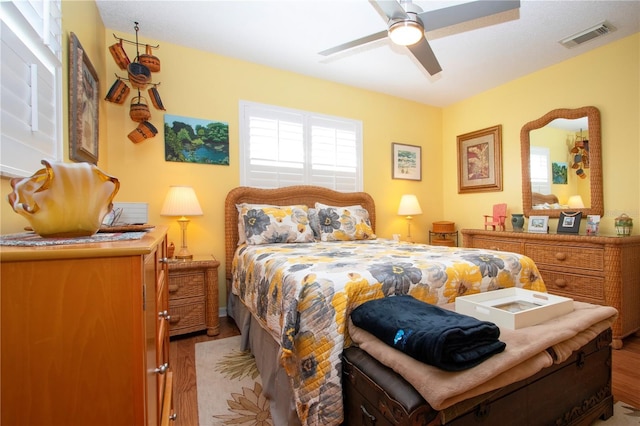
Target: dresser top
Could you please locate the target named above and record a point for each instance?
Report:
(552, 236)
(142, 246)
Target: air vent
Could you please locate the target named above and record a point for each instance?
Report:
(588, 34)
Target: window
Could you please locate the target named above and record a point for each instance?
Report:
(540, 170)
(281, 147)
(31, 85)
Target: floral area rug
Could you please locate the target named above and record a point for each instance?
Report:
(229, 386)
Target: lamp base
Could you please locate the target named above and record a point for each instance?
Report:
(184, 254)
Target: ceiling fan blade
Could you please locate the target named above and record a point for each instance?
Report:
(354, 43)
(423, 53)
(391, 8)
(441, 18)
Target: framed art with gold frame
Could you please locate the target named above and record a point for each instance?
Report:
(83, 104)
(480, 160)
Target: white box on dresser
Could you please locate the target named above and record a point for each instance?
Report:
(596, 269)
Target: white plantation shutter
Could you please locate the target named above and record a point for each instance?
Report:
(31, 85)
(540, 170)
(281, 147)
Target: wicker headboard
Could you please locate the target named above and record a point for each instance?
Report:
(299, 194)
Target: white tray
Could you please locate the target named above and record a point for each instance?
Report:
(513, 308)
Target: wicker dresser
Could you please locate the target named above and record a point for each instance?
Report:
(193, 296)
(597, 269)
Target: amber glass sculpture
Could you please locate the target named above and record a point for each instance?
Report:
(64, 199)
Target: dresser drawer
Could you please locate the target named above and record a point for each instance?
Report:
(184, 284)
(497, 244)
(566, 256)
(578, 287)
(186, 316)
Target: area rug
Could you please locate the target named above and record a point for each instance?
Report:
(230, 390)
(229, 386)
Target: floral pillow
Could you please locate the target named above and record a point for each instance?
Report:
(346, 223)
(265, 224)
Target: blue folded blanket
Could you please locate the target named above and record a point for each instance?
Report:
(428, 333)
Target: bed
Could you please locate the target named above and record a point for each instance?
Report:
(292, 301)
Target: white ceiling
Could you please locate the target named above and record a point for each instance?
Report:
(288, 35)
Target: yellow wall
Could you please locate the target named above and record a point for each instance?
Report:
(606, 78)
(203, 85)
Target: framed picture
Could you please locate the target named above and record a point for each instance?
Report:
(538, 224)
(559, 172)
(196, 140)
(83, 104)
(480, 160)
(407, 161)
(593, 224)
(569, 222)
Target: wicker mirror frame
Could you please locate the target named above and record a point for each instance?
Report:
(595, 159)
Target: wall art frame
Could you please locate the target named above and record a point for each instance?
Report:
(84, 92)
(569, 222)
(538, 224)
(406, 161)
(480, 160)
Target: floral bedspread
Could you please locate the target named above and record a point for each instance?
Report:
(303, 293)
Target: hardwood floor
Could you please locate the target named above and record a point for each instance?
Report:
(626, 375)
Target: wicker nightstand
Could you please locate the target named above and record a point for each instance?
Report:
(193, 295)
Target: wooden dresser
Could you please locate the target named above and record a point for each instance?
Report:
(597, 269)
(85, 340)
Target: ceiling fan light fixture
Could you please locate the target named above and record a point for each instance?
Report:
(406, 32)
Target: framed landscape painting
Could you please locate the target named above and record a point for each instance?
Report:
(407, 161)
(195, 140)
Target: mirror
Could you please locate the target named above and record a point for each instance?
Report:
(591, 153)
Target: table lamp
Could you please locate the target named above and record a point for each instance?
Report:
(409, 206)
(182, 201)
(575, 202)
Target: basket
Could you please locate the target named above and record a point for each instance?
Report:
(155, 98)
(139, 75)
(145, 130)
(150, 61)
(118, 92)
(139, 110)
(119, 55)
(444, 227)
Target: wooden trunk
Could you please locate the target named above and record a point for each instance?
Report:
(576, 392)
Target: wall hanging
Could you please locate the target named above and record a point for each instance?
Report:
(139, 77)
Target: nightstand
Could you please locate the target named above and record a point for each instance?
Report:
(193, 295)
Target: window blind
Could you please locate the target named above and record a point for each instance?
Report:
(281, 147)
(30, 85)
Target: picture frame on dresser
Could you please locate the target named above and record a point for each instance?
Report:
(569, 222)
(538, 224)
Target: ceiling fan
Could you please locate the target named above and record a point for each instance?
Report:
(407, 24)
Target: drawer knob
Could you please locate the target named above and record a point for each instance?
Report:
(561, 283)
(173, 288)
(494, 248)
(173, 319)
(162, 369)
(561, 256)
(173, 417)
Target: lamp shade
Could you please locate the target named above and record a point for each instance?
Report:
(181, 201)
(575, 202)
(409, 205)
